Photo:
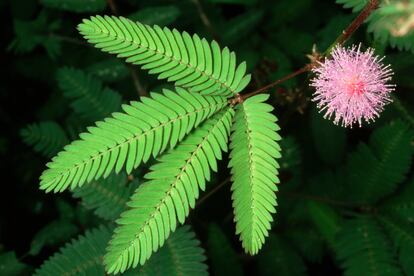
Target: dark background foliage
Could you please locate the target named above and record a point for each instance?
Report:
(333, 180)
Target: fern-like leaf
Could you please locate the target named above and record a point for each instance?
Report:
(377, 169)
(223, 258)
(107, 197)
(401, 205)
(89, 98)
(401, 232)
(356, 5)
(189, 62)
(326, 221)
(180, 255)
(109, 70)
(402, 235)
(129, 138)
(79, 6)
(171, 190)
(82, 256)
(280, 258)
(33, 33)
(254, 169)
(11, 265)
(46, 138)
(54, 233)
(363, 249)
(329, 139)
(391, 23)
(313, 247)
(241, 26)
(156, 15)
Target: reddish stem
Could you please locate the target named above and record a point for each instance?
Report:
(285, 78)
(346, 34)
(342, 38)
(112, 6)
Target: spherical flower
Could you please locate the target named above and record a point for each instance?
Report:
(352, 85)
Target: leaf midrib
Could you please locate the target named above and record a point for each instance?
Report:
(371, 256)
(108, 194)
(172, 58)
(383, 160)
(177, 178)
(175, 258)
(83, 266)
(399, 229)
(88, 97)
(135, 137)
(252, 197)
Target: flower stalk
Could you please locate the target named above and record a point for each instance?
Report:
(342, 38)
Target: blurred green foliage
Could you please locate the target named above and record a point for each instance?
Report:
(346, 197)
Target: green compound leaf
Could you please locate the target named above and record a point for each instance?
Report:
(402, 235)
(312, 248)
(82, 256)
(171, 190)
(356, 5)
(47, 138)
(189, 62)
(10, 265)
(329, 139)
(156, 15)
(278, 255)
(376, 170)
(58, 231)
(401, 205)
(33, 33)
(108, 197)
(109, 70)
(126, 139)
(254, 150)
(364, 249)
(180, 255)
(326, 220)
(241, 26)
(391, 23)
(79, 6)
(223, 258)
(89, 98)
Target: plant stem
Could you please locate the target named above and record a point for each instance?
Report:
(213, 191)
(112, 6)
(205, 20)
(138, 86)
(304, 69)
(69, 39)
(281, 193)
(314, 198)
(342, 38)
(363, 15)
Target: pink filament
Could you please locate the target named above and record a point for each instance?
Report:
(352, 86)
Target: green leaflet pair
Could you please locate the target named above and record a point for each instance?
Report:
(388, 23)
(187, 130)
(181, 255)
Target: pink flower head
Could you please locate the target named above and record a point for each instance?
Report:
(351, 85)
